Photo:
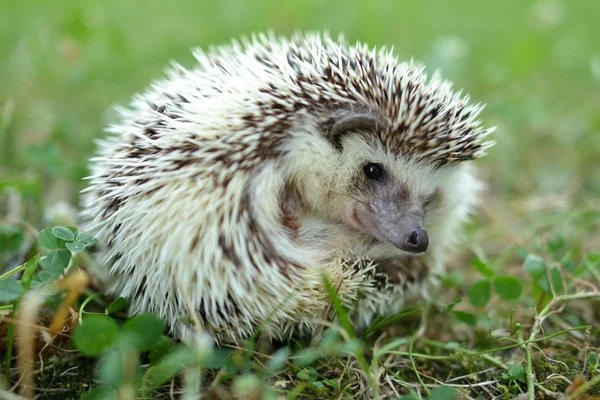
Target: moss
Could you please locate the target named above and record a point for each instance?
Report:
(65, 379)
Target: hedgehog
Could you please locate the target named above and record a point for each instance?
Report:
(232, 192)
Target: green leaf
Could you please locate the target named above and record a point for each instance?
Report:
(515, 372)
(451, 306)
(169, 366)
(10, 289)
(569, 265)
(29, 272)
(593, 259)
(303, 374)
(507, 287)
(48, 276)
(100, 393)
(269, 393)
(557, 243)
(160, 350)
(216, 359)
(110, 368)
(75, 247)
(453, 279)
(556, 282)
(330, 341)
(352, 346)
(45, 262)
(47, 240)
(146, 330)
(60, 260)
(277, 362)
(480, 293)
(244, 385)
(444, 393)
(465, 317)
(452, 345)
(86, 238)
(305, 357)
(96, 334)
(482, 268)
(117, 305)
(64, 233)
(534, 265)
(11, 236)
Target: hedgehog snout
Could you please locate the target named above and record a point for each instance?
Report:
(417, 240)
(400, 225)
(405, 233)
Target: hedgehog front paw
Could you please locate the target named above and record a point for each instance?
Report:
(292, 222)
(291, 215)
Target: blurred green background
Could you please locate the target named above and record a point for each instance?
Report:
(64, 64)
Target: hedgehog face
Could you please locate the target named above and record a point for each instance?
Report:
(358, 181)
(389, 213)
(385, 196)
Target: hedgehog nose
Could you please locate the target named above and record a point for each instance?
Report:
(417, 240)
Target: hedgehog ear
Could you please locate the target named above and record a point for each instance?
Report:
(351, 123)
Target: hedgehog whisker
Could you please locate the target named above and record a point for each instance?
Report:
(363, 203)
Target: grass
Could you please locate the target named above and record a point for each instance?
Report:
(536, 65)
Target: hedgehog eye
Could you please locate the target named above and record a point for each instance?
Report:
(429, 200)
(373, 171)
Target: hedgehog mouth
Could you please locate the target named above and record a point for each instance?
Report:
(363, 227)
(355, 222)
